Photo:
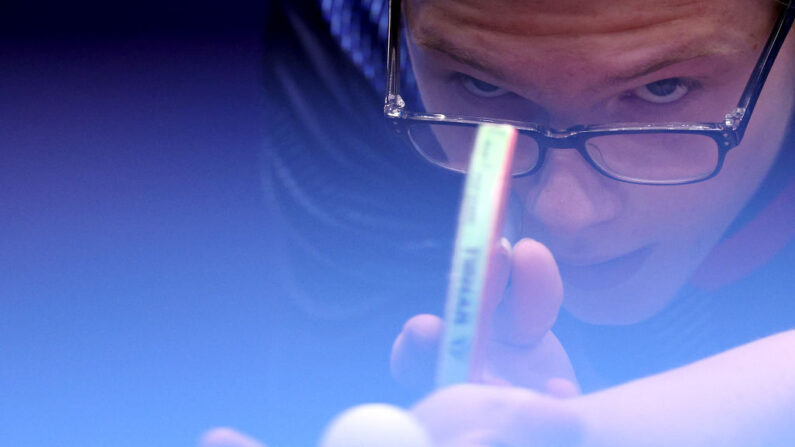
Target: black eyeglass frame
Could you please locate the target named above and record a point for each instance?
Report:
(727, 134)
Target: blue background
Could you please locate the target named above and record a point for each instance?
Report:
(135, 242)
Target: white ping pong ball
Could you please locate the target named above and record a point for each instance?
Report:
(375, 425)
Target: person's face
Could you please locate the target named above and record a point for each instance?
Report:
(623, 249)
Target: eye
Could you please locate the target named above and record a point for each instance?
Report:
(481, 88)
(663, 92)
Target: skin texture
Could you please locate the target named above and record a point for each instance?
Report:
(566, 63)
(553, 59)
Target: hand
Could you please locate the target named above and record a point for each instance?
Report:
(488, 416)
(520, 348)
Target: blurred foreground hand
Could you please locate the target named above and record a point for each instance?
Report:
(523, 296)
(473, 415)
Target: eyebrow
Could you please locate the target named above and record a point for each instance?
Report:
(657, 64)
(458, 54)
(466, 57)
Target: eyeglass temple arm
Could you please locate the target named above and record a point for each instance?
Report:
(393, 103)
(742, 114)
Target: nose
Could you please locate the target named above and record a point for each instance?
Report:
(568, 195)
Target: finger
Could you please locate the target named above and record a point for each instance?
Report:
(532, 367)
(497, 274)
(497, 279)
(227, 437)
(415, 352)
(531, 305)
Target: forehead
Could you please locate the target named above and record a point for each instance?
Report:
(576, 35)
(547, 18)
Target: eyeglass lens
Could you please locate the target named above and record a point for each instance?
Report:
(654, 157)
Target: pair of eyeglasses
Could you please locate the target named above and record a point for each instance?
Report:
(671, 153)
